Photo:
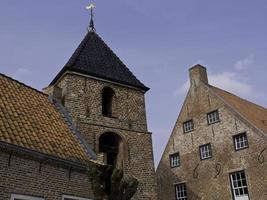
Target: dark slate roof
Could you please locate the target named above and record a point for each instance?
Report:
(93, 57)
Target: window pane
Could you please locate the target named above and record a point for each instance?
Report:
(188, 126)
(239, 184)
(213, 117)
(241, 141)
(205, 151)
(181, 193)
(24, 197)
(175, 160)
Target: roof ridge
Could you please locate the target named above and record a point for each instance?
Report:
(77, 52)
(21, 83)
(118, 58)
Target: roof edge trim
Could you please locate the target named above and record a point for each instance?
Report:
(76, 72)
(27, 86)
(39, 155)
(74, 130)
(236, 111)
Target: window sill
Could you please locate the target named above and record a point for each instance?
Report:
(214, 122)
(172, 167)
(205, 158)
(185, 132)
(110, 116)
(241, 149)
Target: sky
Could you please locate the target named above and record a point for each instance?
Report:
(158, 40)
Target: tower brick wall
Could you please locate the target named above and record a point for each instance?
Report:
(82, 97)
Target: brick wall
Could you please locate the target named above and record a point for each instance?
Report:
(209, 179)
(53, 181)
(83, 101)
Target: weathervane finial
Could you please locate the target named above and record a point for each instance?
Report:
(91, 7)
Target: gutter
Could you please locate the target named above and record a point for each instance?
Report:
(42, 156)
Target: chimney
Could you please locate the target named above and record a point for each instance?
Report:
(198, 74)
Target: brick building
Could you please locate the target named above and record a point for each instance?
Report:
(42, 156)
(217, 149)
(94, 109)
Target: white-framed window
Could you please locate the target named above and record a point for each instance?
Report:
(213, 117)
(180, 191)
(24, 197)
(205, 151)
(175, 160)
(188, 126)
(239, 185)
(68, 197)
(240, 141)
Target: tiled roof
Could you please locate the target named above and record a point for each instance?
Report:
(29, 120)
(93, 57)
(255, 114)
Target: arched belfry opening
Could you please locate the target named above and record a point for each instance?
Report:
(112, 145)
(107, 101)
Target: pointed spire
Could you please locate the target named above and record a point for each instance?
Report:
(91, 7)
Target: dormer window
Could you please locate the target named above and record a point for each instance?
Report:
(107, 101)
(188, 126)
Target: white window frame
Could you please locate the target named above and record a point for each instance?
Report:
(242, 140)
(235, 187)
(24, 197)
(74, 198)
(205, 151)
(213, 117)
(188, 126)
(175, 160)
(182, 192)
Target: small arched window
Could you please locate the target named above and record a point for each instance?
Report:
(107, 101)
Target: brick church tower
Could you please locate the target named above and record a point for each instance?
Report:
(107, 104)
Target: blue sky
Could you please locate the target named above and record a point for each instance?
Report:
(157, 40)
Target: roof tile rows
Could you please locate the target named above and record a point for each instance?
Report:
(255, 114)
(29, 120)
